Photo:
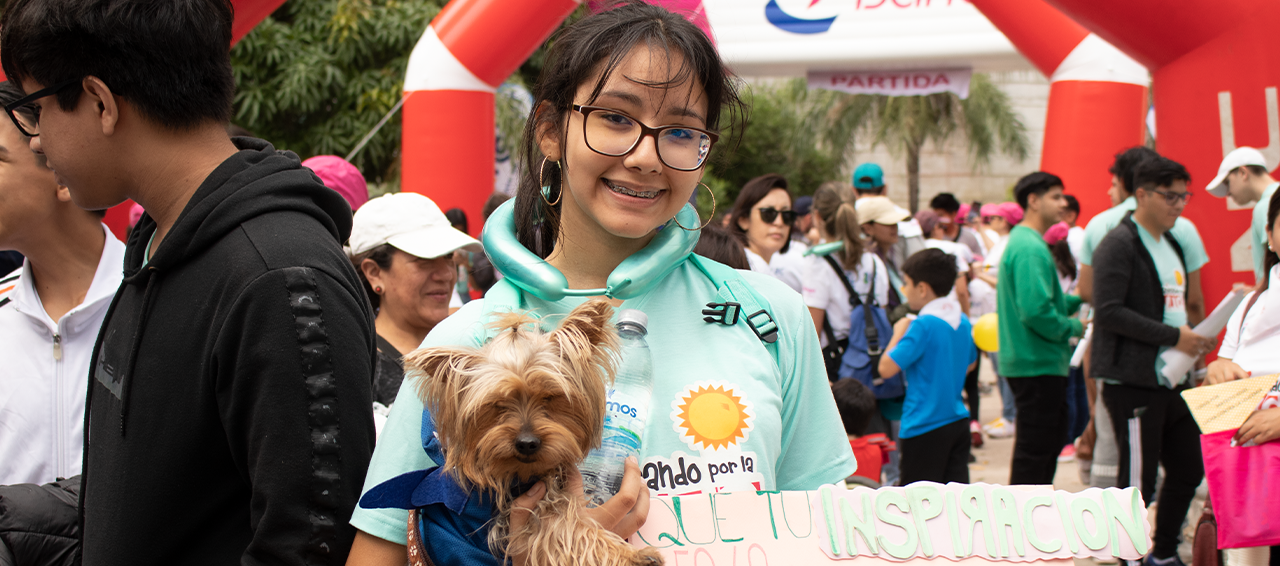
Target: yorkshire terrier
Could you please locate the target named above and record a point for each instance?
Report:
(527, 406)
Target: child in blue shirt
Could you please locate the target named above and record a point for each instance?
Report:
(935, 350)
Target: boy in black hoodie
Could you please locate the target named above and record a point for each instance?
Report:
(229, 397)
(1140, 296)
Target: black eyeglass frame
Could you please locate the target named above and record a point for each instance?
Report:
(645, 130)
(28, 99)
(774, 213)
(1172, 198)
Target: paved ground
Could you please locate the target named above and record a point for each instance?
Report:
(996, 454)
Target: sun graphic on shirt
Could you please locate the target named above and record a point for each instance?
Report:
(1177, 275)
(712, 416)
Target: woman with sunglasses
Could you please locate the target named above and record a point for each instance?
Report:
(625, 114)
(763, 218)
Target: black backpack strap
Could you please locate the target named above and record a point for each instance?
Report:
(873, 336)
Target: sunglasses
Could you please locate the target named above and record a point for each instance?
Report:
(768, 214)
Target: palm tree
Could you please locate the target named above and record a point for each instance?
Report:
(986, 119)
(805, 135)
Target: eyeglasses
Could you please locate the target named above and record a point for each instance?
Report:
(26, 115)
(1172, 198)
(613, 133)
(768, 214)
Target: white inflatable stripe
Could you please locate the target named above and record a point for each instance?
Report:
(433, 67)
(1096, 60)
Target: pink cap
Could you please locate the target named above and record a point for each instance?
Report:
(341, 176)
(990, 209)
(135, 214)
(928, 220)
(1011, 212)
(963, 214)
(1056, 233)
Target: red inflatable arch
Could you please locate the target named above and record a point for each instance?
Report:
(1097, 100)
(1215, 70)
(470, 48)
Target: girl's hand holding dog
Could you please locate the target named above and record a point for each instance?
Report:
(624, 513)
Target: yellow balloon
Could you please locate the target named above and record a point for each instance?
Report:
(986, 333)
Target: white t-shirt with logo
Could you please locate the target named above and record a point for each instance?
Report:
(824, 290)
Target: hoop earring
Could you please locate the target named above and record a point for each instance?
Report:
(709, 218)
(546, 189)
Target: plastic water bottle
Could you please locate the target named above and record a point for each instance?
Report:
(627, 411)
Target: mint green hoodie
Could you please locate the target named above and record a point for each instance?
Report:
(1035, 315)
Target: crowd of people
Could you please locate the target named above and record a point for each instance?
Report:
(239, 357)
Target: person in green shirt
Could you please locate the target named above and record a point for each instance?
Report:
(1243, 175)
(1035, 324)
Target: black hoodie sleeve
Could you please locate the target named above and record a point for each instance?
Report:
(294, 361)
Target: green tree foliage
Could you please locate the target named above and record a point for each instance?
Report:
(986, 119)
(317, 75)
(808, 135)
(804, 135)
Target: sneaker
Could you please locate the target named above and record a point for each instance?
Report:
(1068, 453)
(999, 428)
(975, 434)
(1085, 467)
(1170, 561)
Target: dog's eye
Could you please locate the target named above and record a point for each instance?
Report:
(548, 399)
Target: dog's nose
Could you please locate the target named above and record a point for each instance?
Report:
(527, 444)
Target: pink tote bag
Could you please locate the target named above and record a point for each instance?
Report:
(1244, 485)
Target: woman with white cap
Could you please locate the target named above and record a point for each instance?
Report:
(402, 245)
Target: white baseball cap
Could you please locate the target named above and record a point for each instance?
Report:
(410, 222)
(880, 210)
(1239, 157)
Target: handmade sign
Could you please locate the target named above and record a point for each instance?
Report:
(964, 523)
(1226, 405)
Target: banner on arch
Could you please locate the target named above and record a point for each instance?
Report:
(911, 82)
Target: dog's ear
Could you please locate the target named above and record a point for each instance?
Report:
(587, 341)
(438, 371)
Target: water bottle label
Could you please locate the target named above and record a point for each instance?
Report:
(620, 408)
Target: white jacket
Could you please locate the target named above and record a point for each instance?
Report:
(45, 370)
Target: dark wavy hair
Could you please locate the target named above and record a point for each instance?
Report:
(753, 192)
(170, 59)
(1271, 259)
(600, 43)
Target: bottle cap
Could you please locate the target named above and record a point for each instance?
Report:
(633, 316)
